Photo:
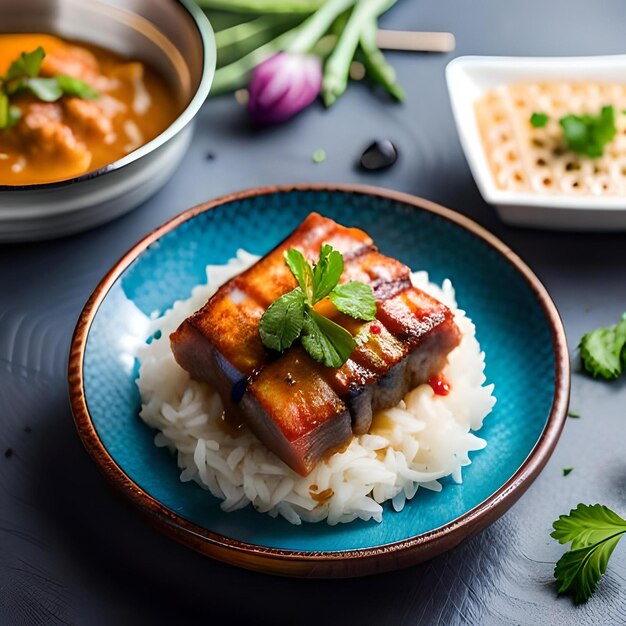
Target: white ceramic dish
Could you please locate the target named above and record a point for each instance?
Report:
(176, 38)
(470, 77)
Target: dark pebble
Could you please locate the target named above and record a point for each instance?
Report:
(8, 453)
(379, 155)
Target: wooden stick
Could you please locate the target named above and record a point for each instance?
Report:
(415, 41)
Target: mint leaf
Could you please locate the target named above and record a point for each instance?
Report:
(588, 134)
(594, 532)
(602, 350)
(301, 269)
(282, 322)
(27, 65)
(539, 120)
(71, 86)
(354, 299)
(326, 341)
(326, 272)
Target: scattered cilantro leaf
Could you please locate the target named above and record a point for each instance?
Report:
(326, 341)
(301, 269)
(573, 414)
(75, 87)
(594, 531)
(567, 471)
(319, 156)
(282, 322)
(4, 110)
(292, 315)
(602, 351)
(327, 272)
(588, 134)
(539, 120)
(354, 299)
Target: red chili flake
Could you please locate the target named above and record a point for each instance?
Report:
(375, 329)
(440, 385)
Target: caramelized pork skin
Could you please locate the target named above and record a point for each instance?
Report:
(297, 407)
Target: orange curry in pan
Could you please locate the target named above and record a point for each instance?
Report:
(54, 141)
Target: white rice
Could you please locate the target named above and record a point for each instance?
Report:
(423, 439)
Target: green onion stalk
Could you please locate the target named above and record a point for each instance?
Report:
(337, 66)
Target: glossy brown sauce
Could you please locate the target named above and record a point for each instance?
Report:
(69, 137)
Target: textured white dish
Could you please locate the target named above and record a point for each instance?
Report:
(470, 77)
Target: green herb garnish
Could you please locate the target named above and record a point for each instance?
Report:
(573, 414)
(603, 350)
(23, 75)
(539, 120)
(594, 531)
(292, 315)
(588, 134)
(567, 471)
(319, 156)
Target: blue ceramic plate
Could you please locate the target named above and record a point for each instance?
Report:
(517, 325)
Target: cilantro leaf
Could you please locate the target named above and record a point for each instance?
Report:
(282, 322)
(588, 134)
(580, 570)
(594, 531)
(567, 471)
(326, 341)
(539, 120)
(602, 350)
(293, 316)
(326, 272)
(586, 525)
(301, 269)
(75, 87)
(355, 299)
(46, 89)
(27, 65)
(23, 75)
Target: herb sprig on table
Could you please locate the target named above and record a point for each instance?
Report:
(603, 350)
(586, 134)
(594, 531)
(23, 75)
(293, 316)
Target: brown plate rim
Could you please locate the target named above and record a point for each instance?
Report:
(345, 563)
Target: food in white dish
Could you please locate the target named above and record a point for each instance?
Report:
(527, 130)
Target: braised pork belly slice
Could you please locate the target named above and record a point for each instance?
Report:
(300, 409)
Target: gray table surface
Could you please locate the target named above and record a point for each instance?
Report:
(71, 551)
